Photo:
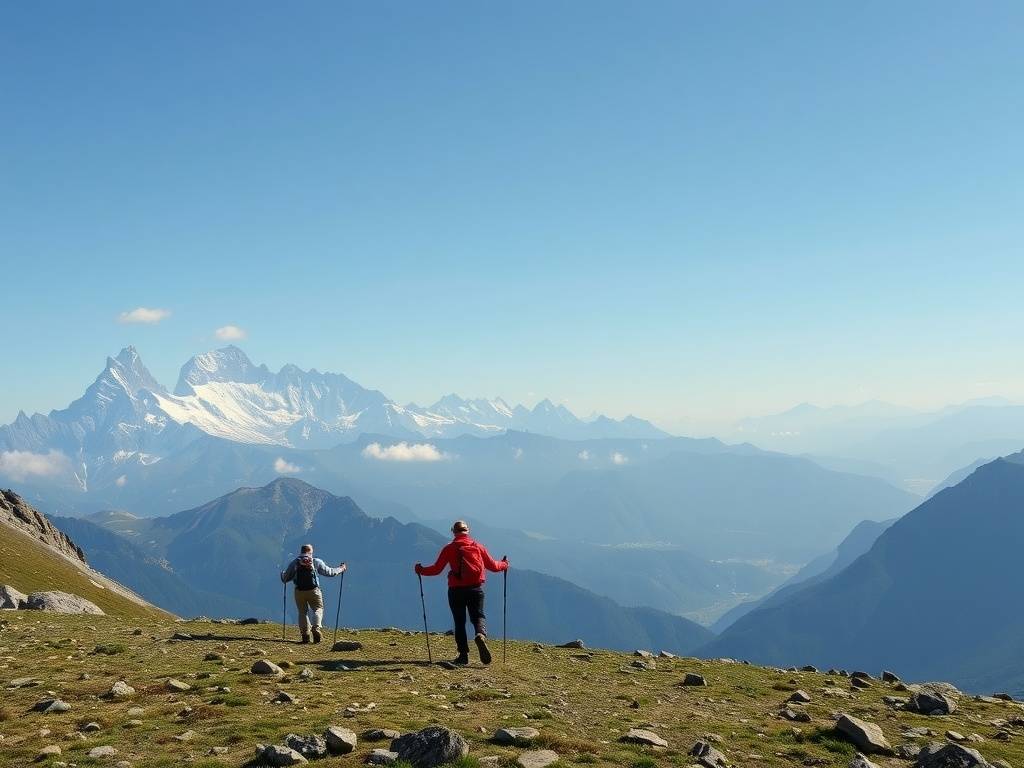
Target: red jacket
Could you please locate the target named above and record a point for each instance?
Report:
(449, 556)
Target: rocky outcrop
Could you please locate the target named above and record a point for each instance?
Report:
(17, 513)
(430, 747)
(60, 602)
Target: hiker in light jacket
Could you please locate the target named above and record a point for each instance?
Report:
(469, 562)
(303, 571)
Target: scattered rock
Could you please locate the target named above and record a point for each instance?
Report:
(867, 737)
(573, 644)
(181, 636)
(186, 736)
(120, 690)
(11, 599)
(264, 667)
(177, 686)
(97, 753)
(862, 675)
(51, 706)
(283, 697)
(516, 735)
(430, 747)
(708, 756)
(381, 757)
(347, 645)
(928, 700)
(248, 621)
(91, 728)
(1003, 696)
(277, 755)
(809, 668)
(890, 677)
(381, 734)
(213, 657)
(693, 679)
(795, 715)
(667, 655)
(955, 736)
(859, 761)
(800, 697)
(642, 736)
(643, 654)
(938, 755)
(908, 751)
(341, 741)
(60, 602)
(540, 758)
(23, 682)
(648, 665)
(311, 747)
(859, 682)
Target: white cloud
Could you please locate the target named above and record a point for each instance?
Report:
(144, 315)
(122, 481)
(404, 452)
(230, 333)
(283, 467)
(618, 458)
(19, 465)
(583, 455)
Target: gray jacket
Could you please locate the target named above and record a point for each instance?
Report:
(318, 565)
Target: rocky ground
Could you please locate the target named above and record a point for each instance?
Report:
(106, 691)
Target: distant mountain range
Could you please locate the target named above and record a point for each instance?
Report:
(913, 449)
(937, 596)
(126, 418)
(234, 547)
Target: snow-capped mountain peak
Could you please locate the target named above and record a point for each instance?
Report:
(226, 364)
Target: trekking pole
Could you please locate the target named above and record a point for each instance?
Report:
(426, 632)
(284, 608)
(337, 616)
(504, 618)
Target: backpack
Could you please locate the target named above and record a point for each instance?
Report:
(470, 567)
(305, 574)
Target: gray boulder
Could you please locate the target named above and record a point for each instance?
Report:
(311, 747)
(573, 644)
(949, 756)
(277, 755)
(708, 756)
(800, 697)
(381, 734)
(928, 700)
(10, 598)
(859, 761)
(347, 645)
(51, 706)
(430, 747)
(867, 737)
(539, 758)
(264, 667)
(97, 753)
(381, 757)
(60, 602)
(515, 735)
(340, 741)
(120, 690)
(641, 736)
(692, 678)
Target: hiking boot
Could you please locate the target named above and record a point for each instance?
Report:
(316, 635)
(305, 640)
(481, 646)
(462, 660)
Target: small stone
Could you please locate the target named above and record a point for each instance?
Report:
(177, 686)
(381, 734)
(707, 756)
(52, 706)
(859, 761)
(381, 757)
(642, 736)
(800, 697)
(890, 677)
(540, 758)
(311, 747)
(264, 667)
(346, 646)
(433, 746)
(809, 668)
(120, 690)
(283, 697)
(277, 755)
(97, 753)
(573, 644)
(693, 679)
(867, 737)
(340, 741)
(48, 751)
(213, 657)
(91, 728)
(795, 715)
(186, 736)
(515, 735)
(955, 736)
(859, 682)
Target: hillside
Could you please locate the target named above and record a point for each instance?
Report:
(581, 702)
(236, 545)
(936, 596)
(31, 563)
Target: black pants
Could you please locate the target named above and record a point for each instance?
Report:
(461, 600)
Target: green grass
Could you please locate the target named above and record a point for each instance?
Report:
(581, 709)
(109, 649)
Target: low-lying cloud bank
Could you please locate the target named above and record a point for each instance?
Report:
(404, 452)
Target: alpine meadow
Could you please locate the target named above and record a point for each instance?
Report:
(458, 385)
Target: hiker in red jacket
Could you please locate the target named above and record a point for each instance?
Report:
(467, 560)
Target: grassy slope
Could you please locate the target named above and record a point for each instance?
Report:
(30, 566)
(581, 706)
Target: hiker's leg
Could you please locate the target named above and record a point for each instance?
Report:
(457, 602)
(475, 603)
(302, 604)
(316, 603)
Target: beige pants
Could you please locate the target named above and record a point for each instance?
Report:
(307, 600)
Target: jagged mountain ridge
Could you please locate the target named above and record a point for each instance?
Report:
(127, 417)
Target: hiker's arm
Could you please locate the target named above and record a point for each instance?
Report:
(436, 568)
(496, 566)
(289, 573)
(325, 570)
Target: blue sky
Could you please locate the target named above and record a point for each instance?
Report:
(690, 211)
